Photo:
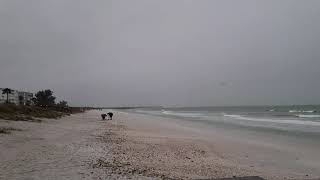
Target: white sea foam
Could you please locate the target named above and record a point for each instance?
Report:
(298, 122)
(308, 115)
(302, 111)
(312, 111)
(293, 111)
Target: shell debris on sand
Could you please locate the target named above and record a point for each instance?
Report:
(159, 157)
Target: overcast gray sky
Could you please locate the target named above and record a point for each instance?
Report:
(164, 52)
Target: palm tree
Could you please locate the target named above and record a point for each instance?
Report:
(7, 91)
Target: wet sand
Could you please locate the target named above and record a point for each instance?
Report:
(133, 146)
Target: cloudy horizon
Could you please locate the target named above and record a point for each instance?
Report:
(163, 53)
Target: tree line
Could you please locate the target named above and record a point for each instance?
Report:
(43, 98)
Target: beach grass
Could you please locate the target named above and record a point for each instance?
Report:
(31, 113)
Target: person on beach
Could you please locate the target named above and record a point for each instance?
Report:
(110, 114)
(103, 116)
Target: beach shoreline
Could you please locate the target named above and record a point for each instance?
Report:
(174, 149)
(135, 146)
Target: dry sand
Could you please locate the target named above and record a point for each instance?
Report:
(132, 146)
(54, 149)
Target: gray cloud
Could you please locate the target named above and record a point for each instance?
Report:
(175, 53)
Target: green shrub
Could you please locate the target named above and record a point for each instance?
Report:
(7, 108)
(26, 113)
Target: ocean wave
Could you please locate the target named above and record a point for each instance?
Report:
(297, 122)
(308, 115)
(302, 111)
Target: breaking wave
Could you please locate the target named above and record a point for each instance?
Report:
(308, 115)
(302, 111)
(297, 122)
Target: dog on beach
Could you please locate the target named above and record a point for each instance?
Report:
(103, 116)
(110, 114)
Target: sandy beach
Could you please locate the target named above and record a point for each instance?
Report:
(174, 148)
(135, 146)
(53, 149)
(196, 89)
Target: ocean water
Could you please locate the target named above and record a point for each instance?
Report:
(296, 120)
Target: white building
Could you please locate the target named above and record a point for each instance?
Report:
(16, 97)
(25, 98)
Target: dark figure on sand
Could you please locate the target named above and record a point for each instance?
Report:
(103, 116)
(110, 114)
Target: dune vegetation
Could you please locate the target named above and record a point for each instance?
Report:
(44, 106)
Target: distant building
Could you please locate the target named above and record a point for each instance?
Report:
(25, 98)
(13, 97)
(3, 97)
(16, 97)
